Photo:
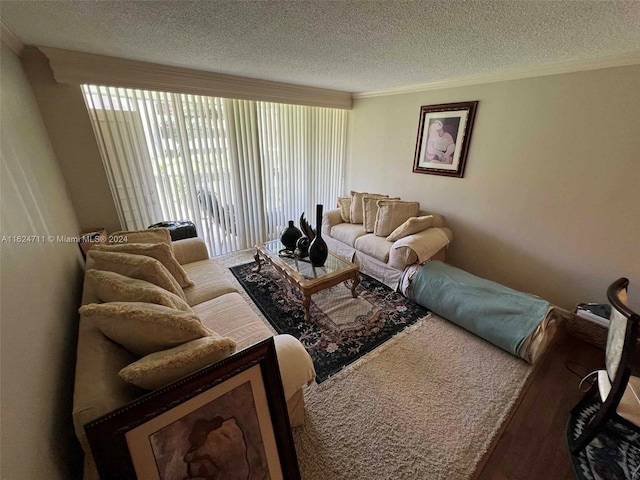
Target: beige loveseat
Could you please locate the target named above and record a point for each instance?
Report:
(378, 257)
(98, 387)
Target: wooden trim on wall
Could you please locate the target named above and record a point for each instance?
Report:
(620, 60)
(85, 68)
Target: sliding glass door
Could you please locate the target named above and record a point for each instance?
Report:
(238, 169)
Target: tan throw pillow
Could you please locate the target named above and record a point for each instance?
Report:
(162, 368)
(113, 287)
(356, 205)
(144, 328)
(392, 214)
(411, 226)
(135, 266)
(160, 251)
(150, 235)
(344, 204)
(370, 211)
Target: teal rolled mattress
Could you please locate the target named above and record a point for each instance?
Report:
(500, 315)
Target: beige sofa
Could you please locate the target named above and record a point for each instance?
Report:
(98, 387)
(380, 258)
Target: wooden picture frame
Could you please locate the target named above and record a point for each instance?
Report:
(228, 417)
(444, 134)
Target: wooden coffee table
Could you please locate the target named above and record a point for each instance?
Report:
(305, 277)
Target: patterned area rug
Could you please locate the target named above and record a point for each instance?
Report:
(342, 328)
(613, 455)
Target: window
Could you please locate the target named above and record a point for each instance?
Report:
(238, 169)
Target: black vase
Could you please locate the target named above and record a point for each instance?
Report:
(318, 250)
(289, 236)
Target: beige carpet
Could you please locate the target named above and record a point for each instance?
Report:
(425, 405)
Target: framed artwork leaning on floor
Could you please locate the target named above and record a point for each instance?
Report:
(228, 420)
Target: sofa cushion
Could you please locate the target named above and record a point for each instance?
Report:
(438, 219)
(160, 251)
(98, 388)
(150, 235)
(210, 282)
(356, 205)
(347, 233)
(392, 214)
(113, 287)
(370, 211)
(377, 247)
(411, 226)
(231, 316)
(144, 328)
(134, 266)
(344, 204)
(159, 369)
(190, 250)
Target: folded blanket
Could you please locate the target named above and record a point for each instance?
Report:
(500, 315)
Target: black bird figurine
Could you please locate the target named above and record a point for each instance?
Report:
(306, 228)
(302, 245)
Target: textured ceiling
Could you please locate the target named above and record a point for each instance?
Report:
(355, 46)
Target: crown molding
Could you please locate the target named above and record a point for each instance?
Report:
(10, 39)
(85, 68)
(628, 58)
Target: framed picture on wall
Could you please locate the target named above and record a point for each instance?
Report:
(444, 133)
(228, 420)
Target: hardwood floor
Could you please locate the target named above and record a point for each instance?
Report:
(533, 443)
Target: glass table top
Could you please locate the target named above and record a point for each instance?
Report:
(303, 267)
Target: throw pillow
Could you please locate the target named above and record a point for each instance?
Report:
(392, 214)
(411, 226)
(356, 205)
(344, 204)
(370, 211)
(144, 328)
(162, 368)
(150, 235)
(113, 287)
(135, 266)
(160, 251)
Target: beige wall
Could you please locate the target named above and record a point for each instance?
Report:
(546, 202)
(549, 203)
(67, 121)
(39, 288)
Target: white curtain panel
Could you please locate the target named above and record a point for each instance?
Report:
(238, 169)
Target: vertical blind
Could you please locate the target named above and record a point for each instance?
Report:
(238, 169)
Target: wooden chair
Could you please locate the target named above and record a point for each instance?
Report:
(619, 391)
